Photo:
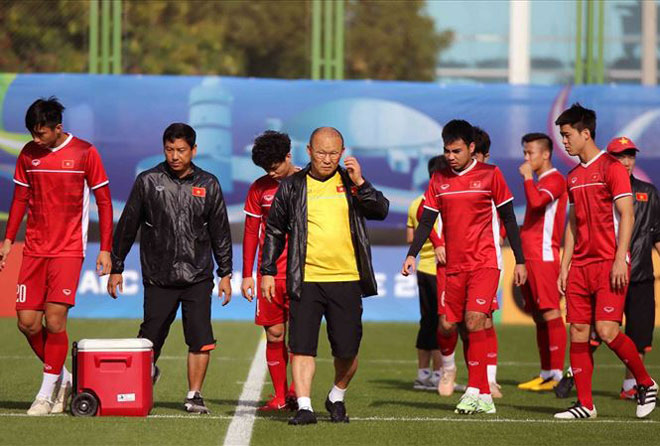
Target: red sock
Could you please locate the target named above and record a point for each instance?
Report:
(542, 342)
(447, 342)
(476, 361)
(556, 343)
(37, 341)
(582, 364)
(491, 346)
(276, 356)
(55, 350)
(625, 349)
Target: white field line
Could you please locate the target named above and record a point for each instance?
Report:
(239, 431)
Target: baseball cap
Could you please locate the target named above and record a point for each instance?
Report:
(621, 144)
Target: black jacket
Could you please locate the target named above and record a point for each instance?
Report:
(646, 231)
(288, 216)
(181, 222)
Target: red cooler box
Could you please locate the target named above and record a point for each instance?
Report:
(112, 377)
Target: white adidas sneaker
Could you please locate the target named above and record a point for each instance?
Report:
(576, 412)
(40, 407)
(646, 398)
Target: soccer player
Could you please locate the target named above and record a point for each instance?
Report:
(481, 145)
(541, 235)
(272, 152)
(594, 270)
(640, 299)
(469, 195)
(181, 215)
(54, 175)
(427, 286)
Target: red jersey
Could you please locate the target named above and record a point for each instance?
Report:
(468, 202)
(59, 180)
(545, 216)
(592, 189)
(257, 205)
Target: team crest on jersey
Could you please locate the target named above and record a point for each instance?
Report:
(641, 196)
(341, 189)
(595, 177)
(573, 180)
(36, 162)
(199, 192)
(444, 186)
(475, 184)
(67, 164)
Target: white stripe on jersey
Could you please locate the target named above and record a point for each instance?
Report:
(22, 184)
(496, 235)
(85, 216)
(548, 230)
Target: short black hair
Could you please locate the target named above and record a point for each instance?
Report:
(318, 129)
(579, 118)
(179, 130)
(270, 148)
(44, 113)
(436, 164)
(481, 141)
(458, 129)
(537, 137)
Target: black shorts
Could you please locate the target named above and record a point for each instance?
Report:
(341, 304)
(161, 305)
(427, 336)
(640, 314)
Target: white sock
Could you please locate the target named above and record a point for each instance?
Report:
(629, 384)
(472, 391)
(66, 376)
(486, 397)
(423, 374)
(191, 394)
(491, 371)
(336, 394)
(47, 386)
(448, 361)
(305, 402)
(437, 374)
(545, 374)
(555, 374)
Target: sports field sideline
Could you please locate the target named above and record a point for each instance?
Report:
(383, 407)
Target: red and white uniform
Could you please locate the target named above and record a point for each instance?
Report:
(468, 202)
(58, 183)
(541, 234)
(257, 206)
(592, 190)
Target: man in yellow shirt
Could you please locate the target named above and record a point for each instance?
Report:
(322, 209)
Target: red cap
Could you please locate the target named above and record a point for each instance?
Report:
(621, 144)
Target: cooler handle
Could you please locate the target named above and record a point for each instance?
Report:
(127, 359)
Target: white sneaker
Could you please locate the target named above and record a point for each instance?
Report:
(434, 380)
(40, 407)
(646, 398)
(576, 412)
(61, 397)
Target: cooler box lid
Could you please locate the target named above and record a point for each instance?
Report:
(114, 345)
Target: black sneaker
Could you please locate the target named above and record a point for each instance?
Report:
(195, 404)
(302, 417)
(563, 389)
(337, 411)
(156, 377)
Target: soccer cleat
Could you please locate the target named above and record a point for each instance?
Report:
(487, 407)
(646, 398)
(527, 385)
(195, 404)
(630, 394)
(291, 400)
(563, 389)
(273, 404)
(447, 382)
(546, 385)
(495, 390)
(302, 417)
(62, 393)
(422, 384)
(576, 412)
(468, 405)
(337, 411)
(40, 407)
(156, 377)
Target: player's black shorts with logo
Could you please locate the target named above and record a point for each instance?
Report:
(161, 305)
(341, 304)
(640, 314)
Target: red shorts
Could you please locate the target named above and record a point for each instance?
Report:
(470, 291)
(540, 292)
(441, 282)
(275, 312)
(47, 279)
(589, 296)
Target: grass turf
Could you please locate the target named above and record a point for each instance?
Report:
(381, 402)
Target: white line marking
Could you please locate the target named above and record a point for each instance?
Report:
(239, 431)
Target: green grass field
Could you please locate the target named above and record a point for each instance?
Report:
(384, 408)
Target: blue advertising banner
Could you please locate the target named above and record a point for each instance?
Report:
(393, 128)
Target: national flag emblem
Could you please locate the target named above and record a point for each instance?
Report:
(199, 191)
(623, 140)
(67, 164)
(354, 191)
(341, 189)
(475, 184)
(641, 196)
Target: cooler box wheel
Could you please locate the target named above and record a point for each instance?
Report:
(84, 404)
